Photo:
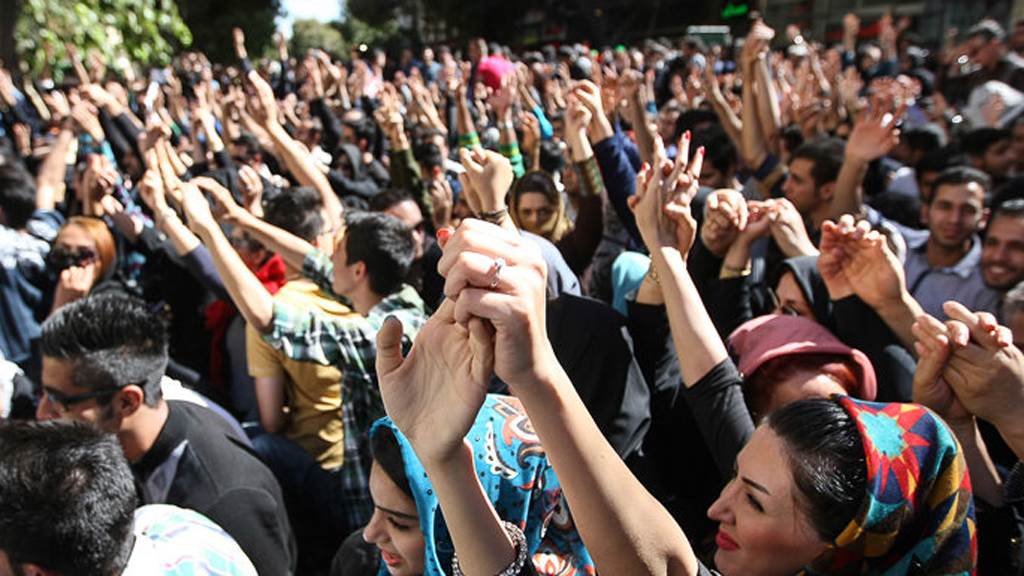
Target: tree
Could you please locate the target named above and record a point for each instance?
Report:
(211, 22)
(146, 31)
(309, 33)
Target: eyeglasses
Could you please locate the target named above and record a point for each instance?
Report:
(64, 402)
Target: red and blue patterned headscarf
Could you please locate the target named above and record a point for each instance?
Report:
(918, 514)
(520, 482)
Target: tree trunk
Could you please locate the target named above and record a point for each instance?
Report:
(9, 10)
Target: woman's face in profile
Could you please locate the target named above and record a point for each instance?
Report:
(762, 529)
(395, 526)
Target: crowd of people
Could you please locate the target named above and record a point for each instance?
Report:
(754, 308)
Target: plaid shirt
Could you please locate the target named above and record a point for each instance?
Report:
(351, 345)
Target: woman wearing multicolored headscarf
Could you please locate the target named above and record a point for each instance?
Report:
(408, 530)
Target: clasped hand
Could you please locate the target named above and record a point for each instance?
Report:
(492, 321)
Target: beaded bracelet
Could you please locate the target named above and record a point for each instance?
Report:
(518, 541)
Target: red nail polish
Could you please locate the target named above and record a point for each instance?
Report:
(686, 135)
(443, 235)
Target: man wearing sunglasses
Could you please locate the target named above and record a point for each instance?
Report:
(103, 360)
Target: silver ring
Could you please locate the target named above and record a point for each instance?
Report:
(496, 268)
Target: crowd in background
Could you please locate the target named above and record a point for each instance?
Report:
(207, 260)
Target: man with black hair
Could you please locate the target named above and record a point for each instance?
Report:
(985, 48)
(423, 271)
(991, 152)
(103, 360)
(67, 507)
(300, 402)
(943, 263)
(1002, 254)
(915, 144)
(368, 268)
(813, 170)
(719, 168)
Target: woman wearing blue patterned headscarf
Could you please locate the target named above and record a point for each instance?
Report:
(516, 478)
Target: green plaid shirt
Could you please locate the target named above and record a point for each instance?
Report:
(350, 344)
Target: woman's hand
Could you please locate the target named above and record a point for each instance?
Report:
(662, 200)
(933, 347)
(433, 394)
(489, 176)
(75, 283)
(495, 274)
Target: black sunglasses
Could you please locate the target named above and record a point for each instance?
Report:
(64, 402)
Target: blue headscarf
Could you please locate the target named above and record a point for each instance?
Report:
(519, 481)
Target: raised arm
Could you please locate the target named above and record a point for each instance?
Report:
(769, 113)
(663, 216)
(935, 344)
(625, 529)
(290, 247)
(247, 293)
(50, 179)
(856, 260)
(265, 111)
(874, 135)
(447, 371)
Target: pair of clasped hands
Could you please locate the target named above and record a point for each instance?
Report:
(493, 317)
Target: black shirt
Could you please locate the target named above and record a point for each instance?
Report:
(199, 462)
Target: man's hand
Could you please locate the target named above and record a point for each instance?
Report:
(489, 176)
(263, 107)
(985, 370)
(87, 120)
(74, 284)
(251, 185)
(788, 230)
(197, 209)
(725, 215)
(933, 347)
(151, 190)
(226, 209)
(856, 260)
(875, 134)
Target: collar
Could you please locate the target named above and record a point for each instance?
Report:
(964, 268)
(170, 436)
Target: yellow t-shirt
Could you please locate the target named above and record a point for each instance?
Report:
(313, 391)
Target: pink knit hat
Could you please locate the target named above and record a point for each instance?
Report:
(768, 337)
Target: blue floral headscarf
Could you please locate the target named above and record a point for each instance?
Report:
(519, 481)
(918, 514)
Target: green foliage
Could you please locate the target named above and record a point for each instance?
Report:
(211, 22)
(309, 33)
(359, 32)
(146, 31)
(373, 13)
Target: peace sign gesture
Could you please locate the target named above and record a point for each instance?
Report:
(663, 195)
